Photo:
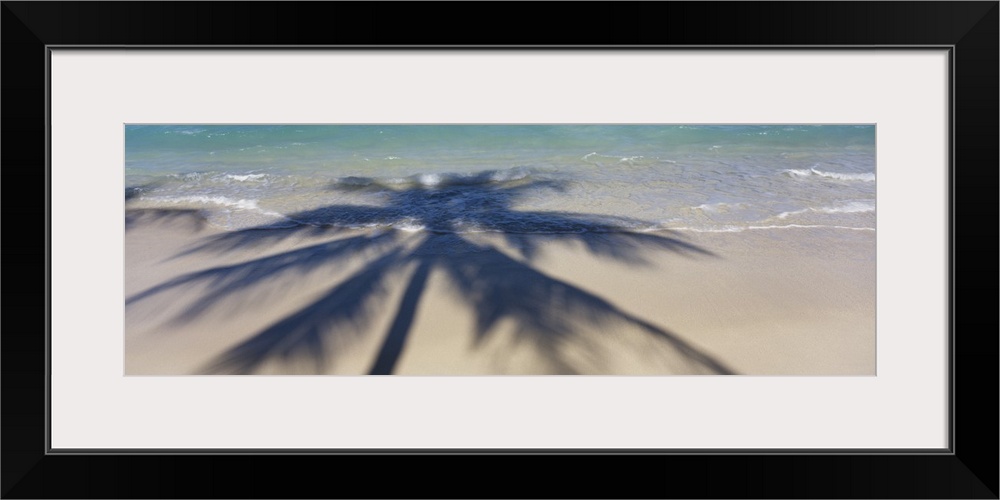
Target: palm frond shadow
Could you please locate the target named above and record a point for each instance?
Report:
(497, 287)
(192, 219)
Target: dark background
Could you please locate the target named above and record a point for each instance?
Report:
(970, 472)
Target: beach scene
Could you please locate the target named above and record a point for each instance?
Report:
(499, 250)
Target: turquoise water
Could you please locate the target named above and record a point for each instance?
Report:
(512, 178)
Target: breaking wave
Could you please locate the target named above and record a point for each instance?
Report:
(847, 208)
(863, 177)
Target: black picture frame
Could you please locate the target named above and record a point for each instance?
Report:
(968, 470)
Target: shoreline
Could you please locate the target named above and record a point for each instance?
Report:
(310, 300)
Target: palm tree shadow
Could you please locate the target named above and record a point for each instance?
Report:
(497, 287)
(186, 218)
(547, 311)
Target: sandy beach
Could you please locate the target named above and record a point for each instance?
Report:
(314, 300)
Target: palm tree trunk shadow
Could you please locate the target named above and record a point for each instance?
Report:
(395, 339)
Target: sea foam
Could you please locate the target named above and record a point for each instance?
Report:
(864, 177)
(739, 229)
(245, 177)
(847, 208)
(241, 204)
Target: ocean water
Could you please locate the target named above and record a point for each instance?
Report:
(509, 178)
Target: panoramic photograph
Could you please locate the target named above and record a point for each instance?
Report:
(489, 250)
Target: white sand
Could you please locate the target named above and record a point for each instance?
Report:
(788, 302)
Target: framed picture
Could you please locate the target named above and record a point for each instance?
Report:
(717, 250)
